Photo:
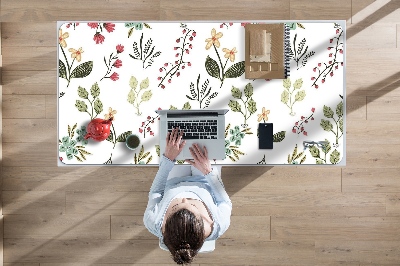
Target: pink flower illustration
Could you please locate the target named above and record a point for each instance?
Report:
(93, 25)
(110, 27)
(117, 63)
(114, 76)
(120, 48)
(98, 38)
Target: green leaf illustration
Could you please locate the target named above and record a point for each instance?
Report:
(187, 106)
(314, 151)
(341, 124)
(339, 109)
(110, 137)
(292, 26)
(278, 137)
(98, 106)
(236, 93)
(212, 67)
(248, 90)
(318, 161)
(335, 156)
(300, 95)
(298, 83)
(251, 106)
(326, 125)
(146, 96)
(123, 136)
(328, 112)
(158, 150)
(285, 97)
(62, 70)
(326, 147)
(131, 96)
(235, 71)
(133, 82)
(173, 108)
(82, 92)
(235, 106)
(287, 83)
(144, 84)
(83, 70)
(81, 105)
(95, 90)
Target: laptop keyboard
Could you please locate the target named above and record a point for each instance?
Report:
(195, 129)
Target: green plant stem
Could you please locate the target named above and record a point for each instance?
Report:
(114, 135)
(245, 115)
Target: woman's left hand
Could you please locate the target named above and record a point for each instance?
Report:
(174, 144)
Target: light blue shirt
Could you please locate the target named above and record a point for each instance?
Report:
(209, 188)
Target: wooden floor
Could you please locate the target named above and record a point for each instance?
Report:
(281, 215)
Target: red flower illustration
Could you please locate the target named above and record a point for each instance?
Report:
(98, 38)
(120, 48)
(117, 63)
(114, 76)
(110, 27)
(93, 25)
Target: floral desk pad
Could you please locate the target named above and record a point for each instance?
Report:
(128, 70)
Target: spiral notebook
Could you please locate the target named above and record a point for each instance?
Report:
(267, 48)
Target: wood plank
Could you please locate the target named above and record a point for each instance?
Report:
(383, 108)
(397, 35)
(129, 227)
(371, 156)
(51, 106)
(33, 202)
(106, 203)
(393, 204)
(381, 180)
(21, 264)
(297, 179)
(373, 131)
(29, 82)
(124, 10)
(112, 264)
(358, 6)
(364, 252)
(356, 109)
(132, 227)
(335, 228)
(24, 106)
(53, 226)
(332, 10)
(78, 178)
(40, 130)
(28, 58)
(224, 10)
(30, 154)
(147, 251)
(29, 34)
(309, 204)
(384, 36)
(372, 81)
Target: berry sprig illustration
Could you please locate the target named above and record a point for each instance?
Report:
(325, 69)
(145, 127)
(171, 70)
(299, 125)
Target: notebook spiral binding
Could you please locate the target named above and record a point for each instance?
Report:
(287, 51)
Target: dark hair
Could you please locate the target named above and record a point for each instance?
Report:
(184, 235)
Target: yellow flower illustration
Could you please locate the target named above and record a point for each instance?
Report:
(263, 115)
(76, 53)
(230, 53)
(61, 38)
(110, 115)
(214, 39)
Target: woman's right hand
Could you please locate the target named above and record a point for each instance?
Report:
(200, 159)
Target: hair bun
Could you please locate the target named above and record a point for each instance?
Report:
(184, 245)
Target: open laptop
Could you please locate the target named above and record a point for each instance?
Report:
(204, 127)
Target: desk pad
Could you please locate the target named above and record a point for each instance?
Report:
(128, 70)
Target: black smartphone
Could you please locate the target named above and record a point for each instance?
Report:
(265, 136)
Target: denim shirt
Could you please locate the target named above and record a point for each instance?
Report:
(209, 188)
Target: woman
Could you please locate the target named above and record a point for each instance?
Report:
(186, 209)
